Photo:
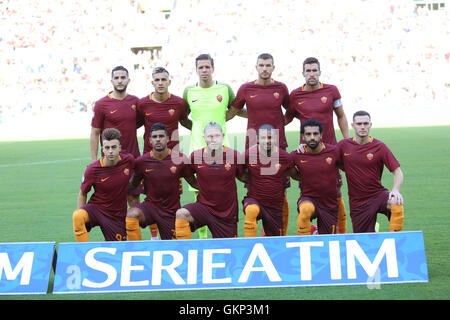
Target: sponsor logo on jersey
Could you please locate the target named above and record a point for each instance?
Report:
(113, 111)
(104, 179)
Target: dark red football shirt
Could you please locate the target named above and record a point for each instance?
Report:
(363, 166)
(217, 180)
(110, 185)
(119, 114)
(264, 106)
(168, 112)
(162, 179)
(267, 176)
(318, 175)
(317, 104)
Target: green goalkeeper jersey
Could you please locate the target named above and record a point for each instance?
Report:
(206, 105)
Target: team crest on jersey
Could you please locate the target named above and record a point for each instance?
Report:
(276, 95)
(133, 107)
(171, 111)
(227, 166)
(329, 160)
(126, 171)
(173, 169)
(324, 99)
(219, 98)
(369, 156)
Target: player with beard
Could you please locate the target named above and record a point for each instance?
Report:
(317, 100)
(267, 167)
(117, 110)
(317, 166)
(162, 180)
(265, 99)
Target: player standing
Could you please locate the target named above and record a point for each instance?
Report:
(161, 106)
(117, 110)
(316, 100)
(317, 166)
(162, 180)
(207, 100)
(107, 206)
(363, 159)
(267, 167)
(217, 167)
(264, 99)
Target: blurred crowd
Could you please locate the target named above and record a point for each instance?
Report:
(56, 56)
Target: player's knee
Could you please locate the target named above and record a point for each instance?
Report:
(252, 211)
(80, 217)
(183, 214)
(134, 213)
(306, 209)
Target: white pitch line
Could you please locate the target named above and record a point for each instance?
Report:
(9, 165)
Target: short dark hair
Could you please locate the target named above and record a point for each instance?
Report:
(118, 68)
(158, 126)
(360, 113)
(311, 123)
(204, 56)
(311, 60)
(159, 70)
(265, 56)
(110, 134)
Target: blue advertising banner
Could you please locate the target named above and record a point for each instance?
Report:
(342, 259)
(25, 267)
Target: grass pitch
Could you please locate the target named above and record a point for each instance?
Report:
(40, 182)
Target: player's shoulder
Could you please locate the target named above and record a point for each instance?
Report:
(175, 99)
(126, 157)
(277, 83)
(329, 87)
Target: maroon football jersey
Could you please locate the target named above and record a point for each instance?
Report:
(318, 175)
(267, 176)
(217, 180)
(264, 106)
(363, 166)
(317, 104)
(110, 185)
(119, 114)
(162, 179)
(168, 112)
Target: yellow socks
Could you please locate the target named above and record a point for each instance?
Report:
(182, 229)
(285, 215)
(80, 217)
(342, 216)
(133, 229)
(396, 222)
(306, 210)
(251, 224)
(154, 231)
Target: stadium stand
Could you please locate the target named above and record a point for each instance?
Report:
(384, 55)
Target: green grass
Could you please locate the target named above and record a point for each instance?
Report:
(38, 196)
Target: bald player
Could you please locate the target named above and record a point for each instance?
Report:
(217, 167)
